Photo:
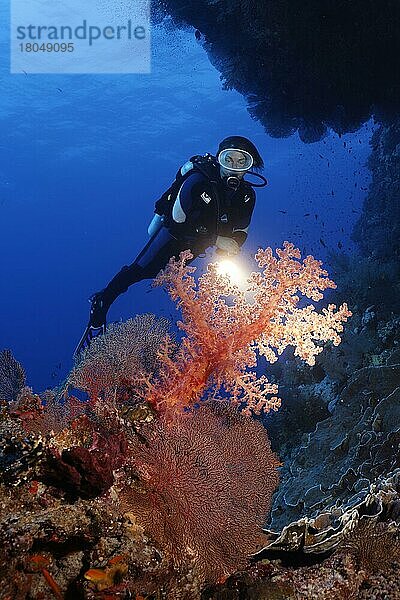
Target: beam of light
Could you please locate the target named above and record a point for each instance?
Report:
(231, 270)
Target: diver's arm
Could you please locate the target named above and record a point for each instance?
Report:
(242, 223)
(240, 236)
(227, 245)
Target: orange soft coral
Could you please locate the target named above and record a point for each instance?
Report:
(226, 328)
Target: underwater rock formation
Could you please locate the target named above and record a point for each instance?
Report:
(336, 464)
(349, 407)
(302, 65)
(335, 556)
(377, 232)
(330, 528)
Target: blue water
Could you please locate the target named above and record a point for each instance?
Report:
(84, 157)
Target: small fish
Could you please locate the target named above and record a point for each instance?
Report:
(283, 212)
(333, 193)
(340, 245)
(316, 217)
(60, 90)
(95, 575)
(306, 215)
(321, 241)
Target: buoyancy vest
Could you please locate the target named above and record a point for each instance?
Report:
(205, 164)
(218, 210)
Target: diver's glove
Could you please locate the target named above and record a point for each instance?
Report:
(227, 245)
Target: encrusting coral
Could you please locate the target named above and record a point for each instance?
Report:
(167, 440)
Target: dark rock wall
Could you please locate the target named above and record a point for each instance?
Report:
(302, 65)
(378, 230)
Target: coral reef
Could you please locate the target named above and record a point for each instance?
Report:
(159, 483)
(75, 501)
(335, 464)
(375, 546)
(352, 393)
(86, 472)
(334, 556)
(330, 528)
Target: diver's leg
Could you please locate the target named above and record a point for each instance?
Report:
(154, 257)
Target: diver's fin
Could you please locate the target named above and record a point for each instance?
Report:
(89, 333)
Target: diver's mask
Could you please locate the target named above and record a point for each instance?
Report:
(235, 163)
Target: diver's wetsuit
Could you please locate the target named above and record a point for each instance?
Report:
(203, 209)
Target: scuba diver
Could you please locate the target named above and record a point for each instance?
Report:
(209, 204)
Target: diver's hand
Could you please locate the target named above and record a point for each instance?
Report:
(227, 245)
(98, 311)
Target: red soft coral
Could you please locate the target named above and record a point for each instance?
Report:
(226, 328)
